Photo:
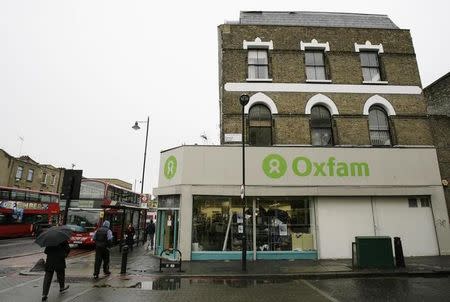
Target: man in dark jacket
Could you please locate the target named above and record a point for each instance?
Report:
(56, 261)
(103, 239)
(151, 233)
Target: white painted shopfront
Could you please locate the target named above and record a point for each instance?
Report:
(302, 202)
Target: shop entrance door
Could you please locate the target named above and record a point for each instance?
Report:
(167, 230)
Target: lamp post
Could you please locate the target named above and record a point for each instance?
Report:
(136, 127)
(243, 99)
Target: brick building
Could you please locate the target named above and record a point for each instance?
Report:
(338, 145)
(23, 172)
(438, 98)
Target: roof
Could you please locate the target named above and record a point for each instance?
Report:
(320, 19)
(437, 81)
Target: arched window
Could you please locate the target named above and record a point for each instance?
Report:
(260, 124)
(379, 127)
(321, 129)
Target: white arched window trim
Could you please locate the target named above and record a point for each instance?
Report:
(380, 101)
(320, 99)
(261, 98)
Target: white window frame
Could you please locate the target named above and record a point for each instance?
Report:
(32, 175)
(44, 178)
(19, 174)
(375, 48)
(314, 45)
(255, 45)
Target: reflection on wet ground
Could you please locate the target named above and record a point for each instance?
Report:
(176, 283)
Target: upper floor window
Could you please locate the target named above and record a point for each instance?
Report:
(258, 64)
(321, 126)
(53, 179)
(19, 172)
(315, 65)
(260, 126)
(370, 63)
(379, 127)
(44, 178)
(30, 175)
(370, 66)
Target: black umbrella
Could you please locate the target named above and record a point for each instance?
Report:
(54, 236)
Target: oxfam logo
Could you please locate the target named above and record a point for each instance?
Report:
(274, 166)
(170, 167)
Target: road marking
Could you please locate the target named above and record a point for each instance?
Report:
(77, 295)
(320, 291)
(16, 243)
(20, 285)
(2, 277)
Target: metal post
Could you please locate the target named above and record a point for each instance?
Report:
(244, 99)
(145, 156)
(244, 235)
(123, 267)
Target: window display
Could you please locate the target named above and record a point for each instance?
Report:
(282, 223)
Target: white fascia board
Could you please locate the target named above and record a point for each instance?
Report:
(324, 88)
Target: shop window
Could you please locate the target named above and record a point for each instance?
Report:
(321, 126)
(260, 125)
(283, 224)
(379, 127)
(213, 217)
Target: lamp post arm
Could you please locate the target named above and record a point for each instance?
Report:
(145, 157)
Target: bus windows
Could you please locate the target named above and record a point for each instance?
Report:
(4, 194)
(18, 195)
(87, 220)
(44, 198)
(32, 196)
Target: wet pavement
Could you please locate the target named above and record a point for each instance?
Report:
(300, 280)
(235, 289)
(18, 246)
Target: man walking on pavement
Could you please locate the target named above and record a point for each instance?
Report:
(151, 233)
(103, 239)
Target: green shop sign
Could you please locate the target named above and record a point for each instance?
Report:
(275, 166)
(170, 167)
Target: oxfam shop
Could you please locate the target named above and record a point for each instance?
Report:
(300, 202)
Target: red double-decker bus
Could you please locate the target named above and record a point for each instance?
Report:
(23, 211)
(100, 200)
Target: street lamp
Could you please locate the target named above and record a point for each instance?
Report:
(136, 127)
(243, 99)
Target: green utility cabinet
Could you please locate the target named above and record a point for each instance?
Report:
(374, 252)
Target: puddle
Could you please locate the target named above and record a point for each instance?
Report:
(176, 283)
(160, 284)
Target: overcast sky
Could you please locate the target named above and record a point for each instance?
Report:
(75, 75)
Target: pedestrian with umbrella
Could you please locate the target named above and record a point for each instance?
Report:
(55, 241)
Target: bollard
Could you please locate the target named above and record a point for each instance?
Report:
(399, 259)
(123, 268)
